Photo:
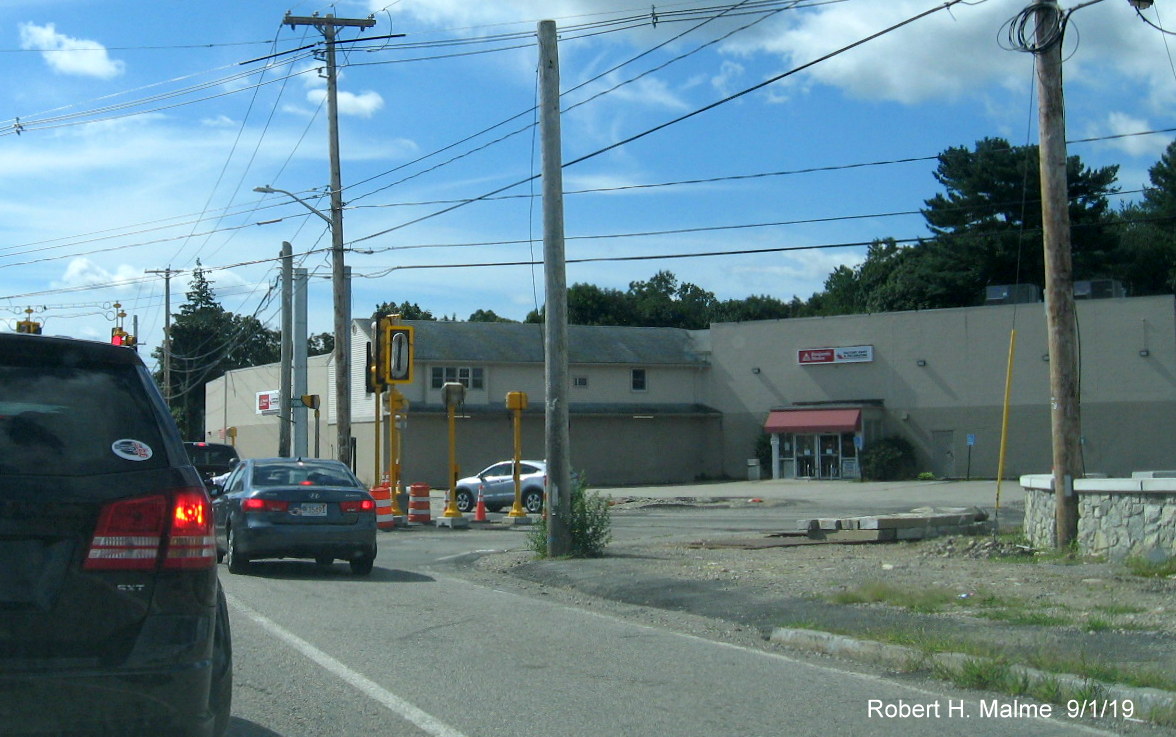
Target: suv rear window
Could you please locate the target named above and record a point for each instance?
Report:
(56, 421)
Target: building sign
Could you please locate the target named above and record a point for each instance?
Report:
(846, 354)
(268, 403)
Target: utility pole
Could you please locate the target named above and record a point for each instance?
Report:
(166, 329)
(328, 25)
(556, 433)
(285, 401)
(1065, 419)
(300, 442)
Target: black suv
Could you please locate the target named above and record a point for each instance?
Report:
(112, 620)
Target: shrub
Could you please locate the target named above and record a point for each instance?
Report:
(589, 526)
(889, 459)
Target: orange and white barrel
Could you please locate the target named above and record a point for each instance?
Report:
(418, 504)
(383, 497)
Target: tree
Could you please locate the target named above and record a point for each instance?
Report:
(206, 341)
(986, 230)
(407, 311)
(987, 224)
(487, 316)
(1159, 200)
(320, 344)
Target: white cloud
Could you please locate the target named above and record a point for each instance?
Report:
(82, 272)
(67, 55)
(1118, 123)
(362, 104)
(729, 73)
(942, 55)
(220, 121)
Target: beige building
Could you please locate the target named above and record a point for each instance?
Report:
(657, 405)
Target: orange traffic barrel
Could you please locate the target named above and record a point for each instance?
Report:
(383, 497)
(418, 504)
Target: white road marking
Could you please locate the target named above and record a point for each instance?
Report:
(425, 721)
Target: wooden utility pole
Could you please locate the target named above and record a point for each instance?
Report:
(556, 433)
(1065, 420)
(167, 273)
(327, 25)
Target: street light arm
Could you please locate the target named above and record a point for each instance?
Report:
(274, 190)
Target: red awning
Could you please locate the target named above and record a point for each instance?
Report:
(813, 420)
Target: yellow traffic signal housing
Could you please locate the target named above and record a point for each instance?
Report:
(395, 353)
(28, 326)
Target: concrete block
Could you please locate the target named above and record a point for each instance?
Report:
(913, 533)
(829, 524)
(860, 536)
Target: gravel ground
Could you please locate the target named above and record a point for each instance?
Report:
(1000, 596)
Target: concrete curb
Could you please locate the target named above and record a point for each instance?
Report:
(902, 657)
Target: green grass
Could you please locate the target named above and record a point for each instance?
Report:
(1114, 609)
(1151, 569)
(926, 601)
(1049, 661)
(1022, 617)
(1165, 716)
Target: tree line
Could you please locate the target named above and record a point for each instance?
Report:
(985, 230)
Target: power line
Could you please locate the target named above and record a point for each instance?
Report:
(667, 124)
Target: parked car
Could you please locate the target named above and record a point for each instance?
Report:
(496, 484)
(294, 508)
(212, 459)
(112, 620)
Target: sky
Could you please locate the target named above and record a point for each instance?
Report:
(131, 142)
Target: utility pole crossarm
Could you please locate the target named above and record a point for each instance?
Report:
(327, 20)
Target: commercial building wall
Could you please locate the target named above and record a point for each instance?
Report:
(939, 376)
(936, 378)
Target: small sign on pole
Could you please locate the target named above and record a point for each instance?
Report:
(268, 402)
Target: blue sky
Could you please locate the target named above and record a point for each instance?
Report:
(142, 134)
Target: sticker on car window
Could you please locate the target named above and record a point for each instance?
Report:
(131, 450)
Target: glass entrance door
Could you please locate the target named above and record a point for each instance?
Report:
(806, 456)
(830, 446)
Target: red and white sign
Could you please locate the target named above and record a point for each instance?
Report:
(269, 403)
(845, 354)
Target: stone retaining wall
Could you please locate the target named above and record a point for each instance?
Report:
(1116, 517)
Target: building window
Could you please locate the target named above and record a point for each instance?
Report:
(638, 380)
(580, 382)
(471, 377)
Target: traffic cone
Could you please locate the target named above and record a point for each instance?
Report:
(480, 509)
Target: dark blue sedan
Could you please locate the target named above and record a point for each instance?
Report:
(294, 508)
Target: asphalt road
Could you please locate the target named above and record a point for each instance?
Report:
(417, 650)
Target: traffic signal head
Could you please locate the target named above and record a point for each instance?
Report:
(118, 336)
(395, 352)
(28, 326)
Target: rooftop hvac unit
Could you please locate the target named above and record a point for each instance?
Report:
(1099, 289)
(1009, 294)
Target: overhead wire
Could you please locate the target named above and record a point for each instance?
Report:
(667, 124)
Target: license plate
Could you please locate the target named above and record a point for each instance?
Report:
(313, 510)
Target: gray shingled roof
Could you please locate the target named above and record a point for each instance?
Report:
(504, 342)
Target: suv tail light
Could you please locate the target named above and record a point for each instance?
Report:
(131, 533)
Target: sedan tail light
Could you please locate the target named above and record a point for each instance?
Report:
(131, 533)
(357, 505)
(256, 504)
